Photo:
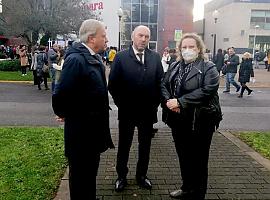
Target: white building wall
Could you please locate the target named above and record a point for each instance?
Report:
(233, 19)
(109, 16)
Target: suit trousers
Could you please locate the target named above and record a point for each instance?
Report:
(126, 133)
(193, 152)
(83, 170)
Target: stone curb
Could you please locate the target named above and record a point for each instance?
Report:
(246, 149)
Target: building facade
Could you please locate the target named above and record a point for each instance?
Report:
(163, 17)
(243, 24)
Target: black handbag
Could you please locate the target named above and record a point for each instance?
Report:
(224, 69)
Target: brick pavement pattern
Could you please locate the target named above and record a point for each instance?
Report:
(232, 173)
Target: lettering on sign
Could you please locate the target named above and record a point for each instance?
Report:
(93, 6)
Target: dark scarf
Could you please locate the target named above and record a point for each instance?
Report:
(183, 72)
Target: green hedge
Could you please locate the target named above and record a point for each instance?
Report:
(10, 65)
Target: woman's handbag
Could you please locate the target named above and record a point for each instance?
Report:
(45, 68)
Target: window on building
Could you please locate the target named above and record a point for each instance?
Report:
(144, 13)
(226, 39)
(262, 42)
(261, 18)
(153, 13)
(136, 10)
(139, 12)
(154, 2)
(153, 29)
(127, 12)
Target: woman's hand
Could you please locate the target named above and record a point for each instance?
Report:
(173, 105)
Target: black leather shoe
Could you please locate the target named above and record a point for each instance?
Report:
(180, 194)
(144, 182)
(120, 184)
(226, 91)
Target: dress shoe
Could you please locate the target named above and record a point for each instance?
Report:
(226, 91)
(120, 184)
(237, 89)
(180, 194)
(144, 182)
(249, 92)
(240, 96)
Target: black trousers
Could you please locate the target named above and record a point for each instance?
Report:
(23, 68)
(193, 152)
(82, 176)
(126, 132)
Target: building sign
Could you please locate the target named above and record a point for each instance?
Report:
(177, 35)
(93, 6)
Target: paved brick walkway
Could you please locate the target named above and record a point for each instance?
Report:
(232, 173)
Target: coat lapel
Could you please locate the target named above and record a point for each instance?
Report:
(133, 56)
(195, 70)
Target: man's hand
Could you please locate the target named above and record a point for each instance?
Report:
(59, 119)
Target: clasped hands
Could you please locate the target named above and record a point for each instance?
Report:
(173, 105)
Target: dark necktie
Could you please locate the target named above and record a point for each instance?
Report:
(140, 56)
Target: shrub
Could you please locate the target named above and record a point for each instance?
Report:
(10, 65)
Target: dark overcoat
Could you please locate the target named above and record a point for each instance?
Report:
(81, 97)
(245, 70)
(197, 91)
(134, 86)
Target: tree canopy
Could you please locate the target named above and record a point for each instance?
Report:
(29, 18)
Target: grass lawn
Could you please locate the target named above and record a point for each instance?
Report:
(259, 141)
(32, 162)
(16, 76)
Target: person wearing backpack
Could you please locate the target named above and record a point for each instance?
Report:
(190, 99)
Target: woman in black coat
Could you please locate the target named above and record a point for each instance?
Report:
(245, 72)
(189, 95)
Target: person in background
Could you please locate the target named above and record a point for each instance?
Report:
(268, 56)
(112, 54)
(189, 95)
(219, 60)
(53, 57)
(81, 101)
(23, 59)
(58, 66)
(231, 70)
(164, 59)
(134, 84)
(42, 76)
(245, 72)
(33, 67)
(172, 57)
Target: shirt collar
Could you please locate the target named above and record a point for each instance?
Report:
(90, 50)
(136, 52)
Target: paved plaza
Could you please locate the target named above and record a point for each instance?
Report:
(235, 170)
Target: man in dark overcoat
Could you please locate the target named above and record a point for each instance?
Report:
(81, 100)
(134, 84)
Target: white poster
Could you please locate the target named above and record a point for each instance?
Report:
(106, 11)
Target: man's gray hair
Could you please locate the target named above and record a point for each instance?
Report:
(89, 28)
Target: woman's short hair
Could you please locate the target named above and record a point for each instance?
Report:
(246, 55)
(89, 28)
(199, 43)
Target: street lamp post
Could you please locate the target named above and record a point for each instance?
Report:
(254, 42)
(215, 15)
(120, 14)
